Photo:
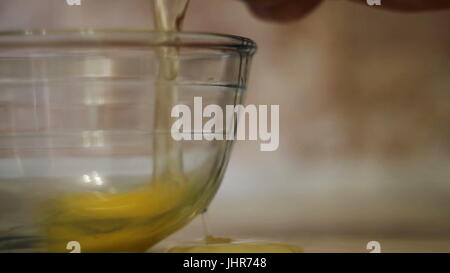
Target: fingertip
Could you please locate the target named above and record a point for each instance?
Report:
(282, 10)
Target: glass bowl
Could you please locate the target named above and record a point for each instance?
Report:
(78, 136)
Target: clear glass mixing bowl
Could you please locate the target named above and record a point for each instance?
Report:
(77, 136)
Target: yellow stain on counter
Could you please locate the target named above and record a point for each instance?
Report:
(227, 245)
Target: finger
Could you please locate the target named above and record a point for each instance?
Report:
(281, 10)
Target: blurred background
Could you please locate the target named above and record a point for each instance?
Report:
(364, 121)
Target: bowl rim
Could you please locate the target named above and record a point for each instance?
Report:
(70, 38)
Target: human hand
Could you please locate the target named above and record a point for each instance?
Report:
(289, 10)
